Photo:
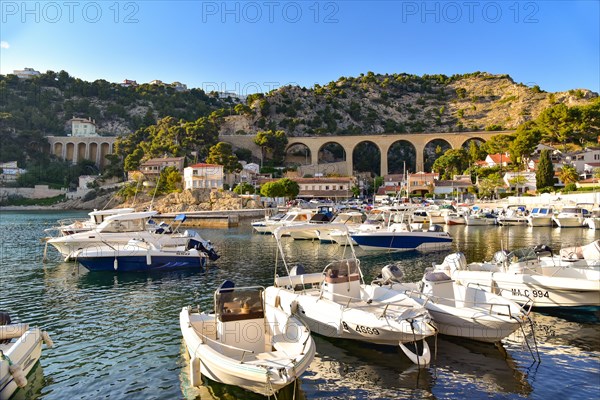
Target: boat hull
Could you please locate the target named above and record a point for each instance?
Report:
(25, 352)
(568, 222)
(355, 322)
(142, 263)
(543, 291)
(399, 241)
(539, 221)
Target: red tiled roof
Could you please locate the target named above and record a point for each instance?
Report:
(499, 158)
(203, 165)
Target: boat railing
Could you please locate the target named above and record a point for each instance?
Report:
(526, 307)
(354, 301)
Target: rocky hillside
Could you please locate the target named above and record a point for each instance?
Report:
(399, 103)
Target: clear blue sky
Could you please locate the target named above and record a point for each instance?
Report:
(249, 46)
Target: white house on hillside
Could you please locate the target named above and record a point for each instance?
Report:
(520, 182)
(10, 171)
(581, 158)
(26, 73)
(83, 127)
(493, 160)
(203, 176)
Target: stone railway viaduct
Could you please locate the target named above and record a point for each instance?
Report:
(383, 142)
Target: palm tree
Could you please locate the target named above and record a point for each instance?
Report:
(568, 174)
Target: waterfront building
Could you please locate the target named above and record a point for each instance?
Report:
(203, 176)
(520, 181)
(421, 182)
(151, 169)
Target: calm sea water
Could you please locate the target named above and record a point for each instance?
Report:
(117, 336)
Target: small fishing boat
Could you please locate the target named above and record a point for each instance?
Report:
(479, 217)
(521, 277)
(20, 350)
(513, 215)
(138, 256)
(454, 218)
(337, 303)
(247, 342)
(456, 310)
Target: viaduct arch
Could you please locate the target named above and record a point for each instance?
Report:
(77, 148)
(383, 142)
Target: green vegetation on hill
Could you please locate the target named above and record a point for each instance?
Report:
(41, 106)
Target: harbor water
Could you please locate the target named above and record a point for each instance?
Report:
(117, 335)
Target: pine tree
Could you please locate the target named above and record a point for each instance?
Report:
(544, 174)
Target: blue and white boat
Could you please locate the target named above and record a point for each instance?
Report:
(139, 256)
(398, 235)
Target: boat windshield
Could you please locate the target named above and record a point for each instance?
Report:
(133, 225)
(522, 255)
(234, 304)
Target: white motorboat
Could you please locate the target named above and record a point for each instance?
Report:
(246, 342)
(571, 217)
(20, 350)
(121, 228)
(399, 235)
(480, 218)
(513, 215)
(317, 220)
(454, 218)
(352, 219)
(540, 216)
(521, 277)
(457, 310)
(266, 225)
(96, 217)
(337, 303)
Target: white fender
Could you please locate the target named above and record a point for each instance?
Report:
(195, 374)
(47, 340)
(293, 306)
(116, 264)
(18, 375)
(421, 360)
(148, 258)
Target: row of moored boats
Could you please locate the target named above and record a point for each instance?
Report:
(483, 301)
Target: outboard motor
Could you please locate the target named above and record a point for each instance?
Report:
(455, 261)
(297, 269)
(500, 256)
(542, 248)
(435, 228)
(204, 246)
(390, 274)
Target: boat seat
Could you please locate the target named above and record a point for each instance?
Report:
(273, 359)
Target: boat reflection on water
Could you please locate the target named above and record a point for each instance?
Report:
(462, 368)
(466, 368)
(364, 370)
(572, 336)
(35, 383)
